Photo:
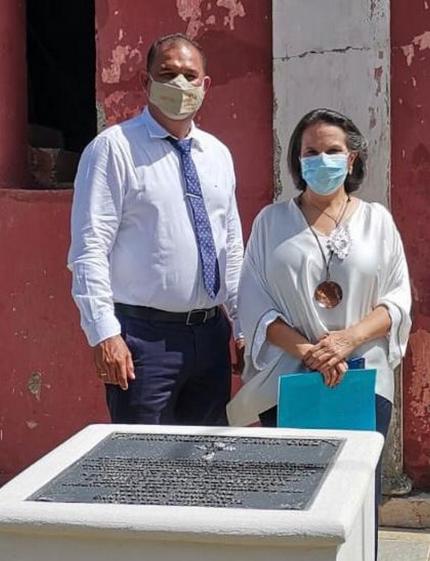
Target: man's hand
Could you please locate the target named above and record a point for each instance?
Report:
(113, 361)
(239, 348)
(332, 349)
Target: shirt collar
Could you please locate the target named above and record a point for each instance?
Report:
(155, 130)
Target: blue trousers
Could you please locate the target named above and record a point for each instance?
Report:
(183, 373)
(383, 416)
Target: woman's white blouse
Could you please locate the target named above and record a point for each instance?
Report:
(283, 265)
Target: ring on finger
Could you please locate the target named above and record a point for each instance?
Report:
(102, 374)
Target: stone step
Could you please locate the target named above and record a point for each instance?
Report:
(412, 511)
(404, 545)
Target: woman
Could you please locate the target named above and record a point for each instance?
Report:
(325, 277)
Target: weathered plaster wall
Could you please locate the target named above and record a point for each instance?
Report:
(410, 39)
(48, 387)
(333, 54)
(236, 36)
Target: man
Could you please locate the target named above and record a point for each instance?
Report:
(157, 250)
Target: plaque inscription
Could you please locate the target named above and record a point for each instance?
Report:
(195, 470)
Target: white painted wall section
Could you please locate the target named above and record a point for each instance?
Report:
(335, 54)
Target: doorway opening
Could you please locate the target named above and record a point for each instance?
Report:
(61, 86)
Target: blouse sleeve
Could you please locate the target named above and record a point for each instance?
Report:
(257, 309)
(395, 293)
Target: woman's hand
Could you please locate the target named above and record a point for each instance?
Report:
(334, 375)
(331, 350)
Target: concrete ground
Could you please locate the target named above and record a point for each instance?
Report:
(404, 545)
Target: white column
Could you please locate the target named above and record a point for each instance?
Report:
(333, 54)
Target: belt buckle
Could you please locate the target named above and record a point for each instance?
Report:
(191, 312)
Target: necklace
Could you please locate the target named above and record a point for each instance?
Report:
(340, 213)
(339, 240)
(328, 294)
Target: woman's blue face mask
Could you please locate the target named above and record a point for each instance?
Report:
(324, 173)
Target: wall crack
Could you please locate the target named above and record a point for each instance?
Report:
(323, 52)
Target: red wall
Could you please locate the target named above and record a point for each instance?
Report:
(48, 389)
(13, 89)
(48, 386)
(410, 104)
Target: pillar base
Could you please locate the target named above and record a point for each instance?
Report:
(397, 485)
(406, 512)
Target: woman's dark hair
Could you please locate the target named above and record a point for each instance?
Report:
(355, 142)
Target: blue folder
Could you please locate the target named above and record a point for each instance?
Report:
(304, 401)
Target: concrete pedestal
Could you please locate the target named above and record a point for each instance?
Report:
(338, 525)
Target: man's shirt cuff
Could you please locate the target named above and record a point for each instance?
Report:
(101, 329)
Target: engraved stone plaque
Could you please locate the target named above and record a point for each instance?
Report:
(196, 470)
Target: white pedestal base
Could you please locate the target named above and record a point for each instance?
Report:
(338, 526)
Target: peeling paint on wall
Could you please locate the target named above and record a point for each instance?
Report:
(378, 10)
(277, 154)
(101, 116)
(378, 75)
(419, 388)
(121, 105)
(422, 42)
(192, 11)
(418, 418)
(34, 384)
(235, 9)
(408, 51)
(113, 102)
(372, 119)
(121, 55)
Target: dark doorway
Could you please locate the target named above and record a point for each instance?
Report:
(61, 73)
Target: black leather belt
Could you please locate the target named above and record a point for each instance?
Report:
(194, 317)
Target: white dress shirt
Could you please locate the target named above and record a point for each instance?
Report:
(282, 267)
(133, 239)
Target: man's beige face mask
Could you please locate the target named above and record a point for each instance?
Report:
(177, 98)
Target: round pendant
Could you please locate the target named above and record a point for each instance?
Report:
(328, 294)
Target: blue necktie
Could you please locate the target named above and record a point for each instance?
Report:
(202, 226)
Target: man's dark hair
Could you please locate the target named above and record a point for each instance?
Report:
(355, 142)
(172, 39)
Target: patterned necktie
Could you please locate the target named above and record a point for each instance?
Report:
(202, 226)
